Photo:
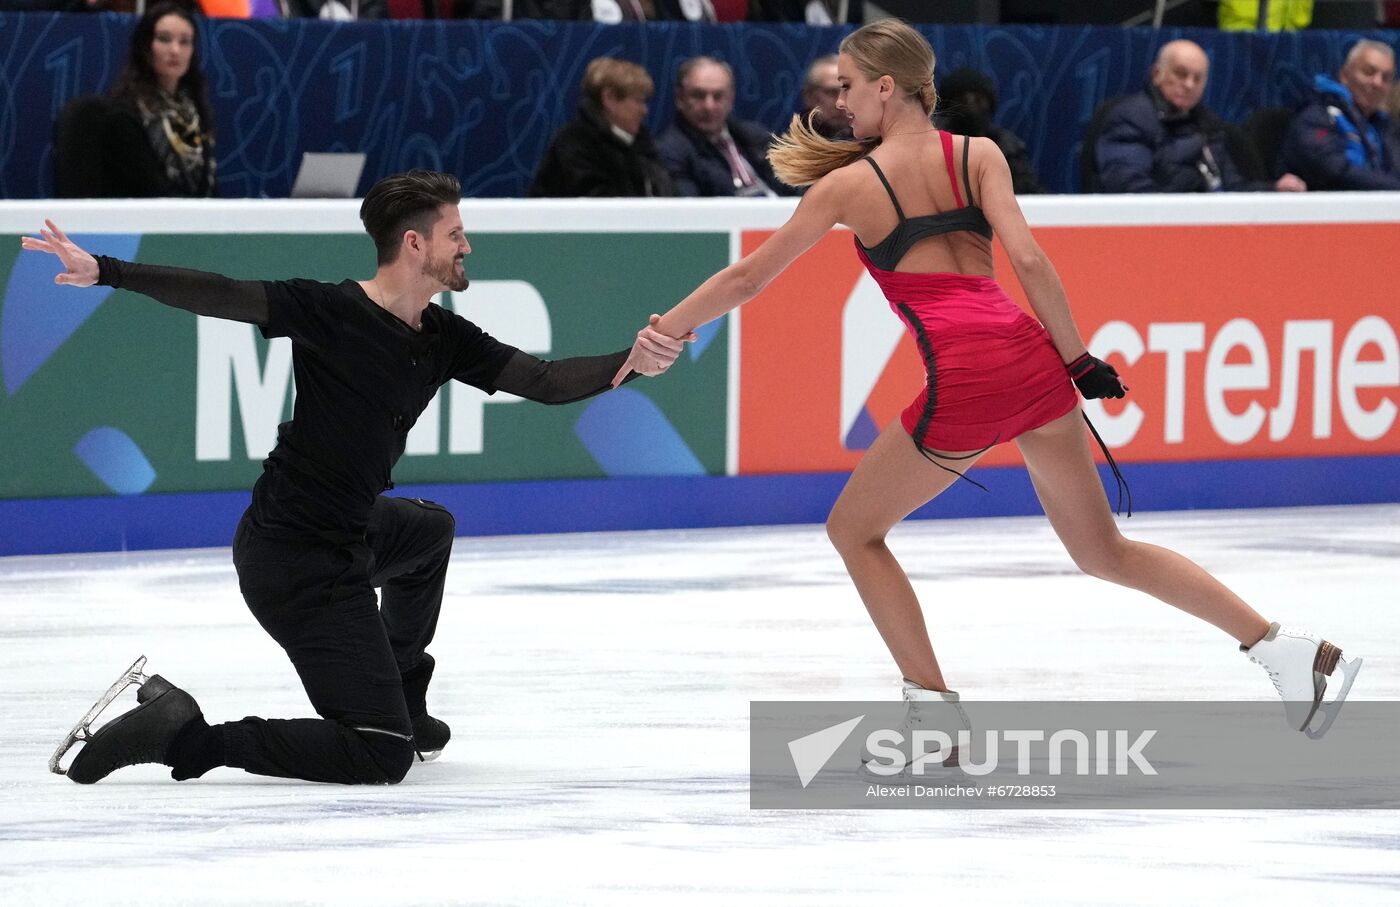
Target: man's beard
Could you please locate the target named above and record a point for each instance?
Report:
(446, 273)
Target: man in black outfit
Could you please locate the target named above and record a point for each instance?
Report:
(319, 536)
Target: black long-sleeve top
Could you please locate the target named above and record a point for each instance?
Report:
(363, 377)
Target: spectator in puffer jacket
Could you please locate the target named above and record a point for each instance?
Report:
(1343, 138)
(1163, 139)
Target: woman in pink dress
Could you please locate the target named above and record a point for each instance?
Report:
(924, 206)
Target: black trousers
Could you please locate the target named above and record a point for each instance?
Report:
(317, 600)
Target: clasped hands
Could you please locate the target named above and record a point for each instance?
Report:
(653, 352)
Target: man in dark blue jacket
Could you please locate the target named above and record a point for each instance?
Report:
(1163, 139)
(1342, 138)
(708, 151)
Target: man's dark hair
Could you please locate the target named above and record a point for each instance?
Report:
(402, 202)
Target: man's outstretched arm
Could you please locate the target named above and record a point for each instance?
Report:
(580, 377)
(194, 291)
(560, 380)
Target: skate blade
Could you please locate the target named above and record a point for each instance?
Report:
(932, 768)
(428, 755)
(1330, 709)
(82, 730)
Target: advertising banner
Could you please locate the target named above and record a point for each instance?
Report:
(1237, 342)
(109, 392)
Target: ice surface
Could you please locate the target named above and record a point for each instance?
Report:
(598, 690)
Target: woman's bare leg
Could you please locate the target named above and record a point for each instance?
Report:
(1062, 468)
(892, 480)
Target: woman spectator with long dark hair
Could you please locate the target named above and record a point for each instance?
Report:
(162, 126)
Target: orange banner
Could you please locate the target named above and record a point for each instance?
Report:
(1237, 342)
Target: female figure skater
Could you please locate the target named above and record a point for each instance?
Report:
(994, 373)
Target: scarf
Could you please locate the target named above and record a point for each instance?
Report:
(184, 150)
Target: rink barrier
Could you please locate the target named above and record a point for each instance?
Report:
(206, 520)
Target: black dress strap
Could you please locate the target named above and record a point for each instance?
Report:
(967, 141)
(881, 174)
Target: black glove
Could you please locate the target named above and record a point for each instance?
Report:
(1096, 378)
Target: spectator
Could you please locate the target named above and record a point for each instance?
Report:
(606, 149)
(819, 94)
(1342, 138)
(330, 10)
(812, 12)
(65, 6)
(484, 9)
(652, 10)
(605, 11)
(967, 102)
(1279, 15)
(707, 151)
(162, 129)
(1163, 139)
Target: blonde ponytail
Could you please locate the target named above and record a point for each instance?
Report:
(801, 156)
(928, 96)
(884, 47)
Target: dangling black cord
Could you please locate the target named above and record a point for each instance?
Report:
(1117, 474)
(934, 457)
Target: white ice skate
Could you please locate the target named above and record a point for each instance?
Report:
(926, 710)
(1299, 663)
(83, 729)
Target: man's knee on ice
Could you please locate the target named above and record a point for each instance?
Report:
(388, 757)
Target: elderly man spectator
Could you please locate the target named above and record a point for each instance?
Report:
(707, 151)
(1342, 139)
(1163, 139)
(605, 150)
(967, 100)
(819, 93)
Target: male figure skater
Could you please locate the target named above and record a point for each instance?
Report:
(319, 535)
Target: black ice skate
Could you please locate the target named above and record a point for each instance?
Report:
(430, 735)
(139, 736)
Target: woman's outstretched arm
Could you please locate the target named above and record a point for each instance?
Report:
(819, 211)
